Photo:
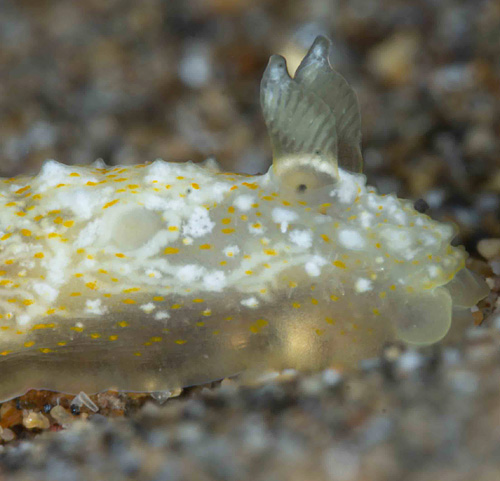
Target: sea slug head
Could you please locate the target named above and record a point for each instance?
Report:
(404, 260)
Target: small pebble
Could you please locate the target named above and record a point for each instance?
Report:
(34, 420)
(489, 248)
(61, 416)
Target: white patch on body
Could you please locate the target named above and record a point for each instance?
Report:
(351, 239)
(94, 306)
(244, 202)
(301, 238)
(363, 285)
(198, 224)
(283, 217)
(251, 302)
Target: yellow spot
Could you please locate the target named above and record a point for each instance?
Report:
(29, 343)
(195, 186)
(158, 298)
(339, 264)
(319, 332)
(61, 343)
(137, 354)
(173, 228)
(43, 326)
(69, 223)
(382, 295)
(334, 298)
(95, 335)
(378, 245)
(392, 287)
(74, 174)
(171, 250)
(270, 252)
(207, 312)
(131, 289)
(4, 353)
(175, 306)
(39, 255)
(198, 300)
(248, 273)
(92, 285)
(28, 302)
(258, 325)
(314, 301)
(45, 350)
(205, 246)
(128, 301)
(234, 187)
(296, 305)
(25, 232)
(22, 190)
(90, 183)
(133, 186)
(77, 329)
(200, 324)
(78, 274)
(123, 323)
(230, 209)
(113, 338)
(21, 214)
(80, 251)
(180, 342)
(109, 204)
(251, 185)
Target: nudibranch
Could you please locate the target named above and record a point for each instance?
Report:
(164, 275)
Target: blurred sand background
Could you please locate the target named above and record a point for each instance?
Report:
(131, 81)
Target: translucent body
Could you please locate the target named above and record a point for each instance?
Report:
(160, 276)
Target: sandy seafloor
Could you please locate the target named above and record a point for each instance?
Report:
(134, 81)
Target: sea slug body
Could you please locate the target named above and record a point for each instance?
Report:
(164, 275)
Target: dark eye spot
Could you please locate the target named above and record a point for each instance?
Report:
(421, 206)
(301, 188)
(317, 152)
